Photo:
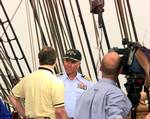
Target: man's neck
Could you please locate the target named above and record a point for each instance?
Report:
(111, 77)
(72, 76)
(48, 66)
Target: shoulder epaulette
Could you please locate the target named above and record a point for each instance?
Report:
(86, 77)
(60, 74)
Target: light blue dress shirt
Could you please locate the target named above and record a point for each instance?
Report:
(73, 91)
(103, 101)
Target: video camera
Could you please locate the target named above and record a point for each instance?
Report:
(133, 72)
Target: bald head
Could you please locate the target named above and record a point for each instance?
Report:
(110, 63)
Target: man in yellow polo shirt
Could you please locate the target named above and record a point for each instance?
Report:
(42, 90)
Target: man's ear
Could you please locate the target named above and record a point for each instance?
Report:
(120, 71)
(55, 61)
(100, 68)
(79, 63)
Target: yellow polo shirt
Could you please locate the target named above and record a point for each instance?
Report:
(42, 91)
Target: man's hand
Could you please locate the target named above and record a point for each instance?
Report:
(17, 104)
(147, 116)
(61, 113)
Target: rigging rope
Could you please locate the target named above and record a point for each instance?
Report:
(82, 47)
(68, 25)
(119, 21)
(127, 20)
(122, 18)
(132, 21)
(86, 37)
(13, 15)
(30, 35)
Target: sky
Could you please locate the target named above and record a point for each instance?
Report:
(139, 9)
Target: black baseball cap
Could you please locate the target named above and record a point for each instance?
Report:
(73, 54)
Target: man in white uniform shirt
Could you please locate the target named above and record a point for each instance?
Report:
(75, 83)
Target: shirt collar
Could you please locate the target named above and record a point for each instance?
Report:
(47, 68)
(108, 81)
(77, 76)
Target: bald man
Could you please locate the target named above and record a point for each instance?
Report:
(105, 100)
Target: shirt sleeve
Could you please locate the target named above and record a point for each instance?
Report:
(18, 90)
(118, 105)
(58, 94)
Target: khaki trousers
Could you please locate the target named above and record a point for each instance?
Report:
(38, 118)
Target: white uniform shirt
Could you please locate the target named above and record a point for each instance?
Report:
(73, 90)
